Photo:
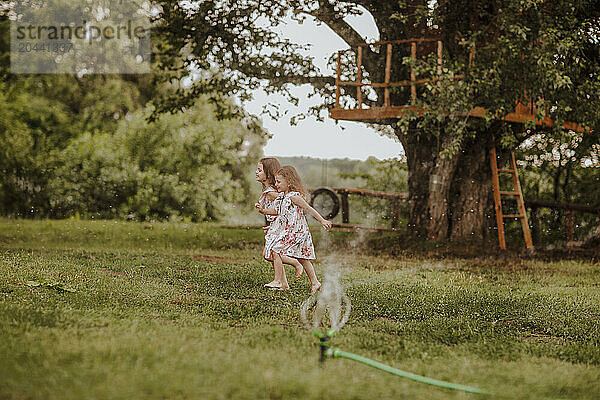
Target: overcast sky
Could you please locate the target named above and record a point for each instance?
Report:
(310, 137)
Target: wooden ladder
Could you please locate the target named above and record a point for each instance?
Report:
(522, 215)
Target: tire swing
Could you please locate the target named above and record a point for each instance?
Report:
(326, 202)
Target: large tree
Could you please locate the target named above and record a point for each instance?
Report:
(82, 145)
(547, 51)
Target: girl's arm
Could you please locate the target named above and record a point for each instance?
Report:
(300, 202)
(272, 195)
(266, 211)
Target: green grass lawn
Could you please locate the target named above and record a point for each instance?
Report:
(178, 311)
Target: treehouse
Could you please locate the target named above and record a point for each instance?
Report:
(365, 92)
(402, 83)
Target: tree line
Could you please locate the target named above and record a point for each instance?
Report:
(87, 146)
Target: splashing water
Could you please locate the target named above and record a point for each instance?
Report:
(359, 240)
(331, 300)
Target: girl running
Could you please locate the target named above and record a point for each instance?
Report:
(288, 235)
(265, 174)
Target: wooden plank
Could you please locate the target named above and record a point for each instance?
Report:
(395, 213)
(398, 83)
(372, 193)
(398, 112)
(565, 206)
(400, 41)
(521, 118)
(372, 113)
(359, 76)
(388, 71)
(338, 80)
(410, 82)
(497, 199)
(383, 84)
(520, 203)
(523, 107)
(569, 226)
(353, 227)
(345, 208)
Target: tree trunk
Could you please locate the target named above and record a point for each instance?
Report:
(440, 184)
(449, 197)
(472, 209)
(419, 151)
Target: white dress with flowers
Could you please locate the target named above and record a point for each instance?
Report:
(289, 234)
(265, 203)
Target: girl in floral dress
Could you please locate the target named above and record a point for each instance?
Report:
(265, 174)
(289, 234)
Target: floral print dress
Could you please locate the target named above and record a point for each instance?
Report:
(289, 234)
(267, 204)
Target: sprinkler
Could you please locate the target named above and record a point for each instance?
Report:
(330, 301)
(324, 342)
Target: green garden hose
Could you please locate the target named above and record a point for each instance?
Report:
(337, 353)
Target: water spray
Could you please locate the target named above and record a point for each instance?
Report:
(330, 302)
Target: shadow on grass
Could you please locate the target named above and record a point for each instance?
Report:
(403, 244)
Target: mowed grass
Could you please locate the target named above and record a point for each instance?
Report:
(178, 311)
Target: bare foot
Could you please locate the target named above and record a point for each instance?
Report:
(281, 287)
(272, 284)
(299, 270)
(315, 288)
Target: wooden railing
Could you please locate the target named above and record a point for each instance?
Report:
(568, 210)
(386, 84)
(533, 204)
(525, 109)
(398, 197)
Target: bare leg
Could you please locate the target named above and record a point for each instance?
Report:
(274, 282)
(279, 272)
(294, 263)
(312, 276)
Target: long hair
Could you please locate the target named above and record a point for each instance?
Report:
(292, 178)
(270, 167)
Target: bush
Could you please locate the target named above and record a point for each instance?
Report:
(181, 165)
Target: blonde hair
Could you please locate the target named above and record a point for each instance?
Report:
(270, 168)
(292, 178)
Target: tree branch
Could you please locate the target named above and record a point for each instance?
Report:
(327, 14)
(302, 79)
